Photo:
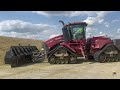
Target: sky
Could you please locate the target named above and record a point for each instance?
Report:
(42, 25)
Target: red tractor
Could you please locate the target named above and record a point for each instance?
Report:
(67, 48)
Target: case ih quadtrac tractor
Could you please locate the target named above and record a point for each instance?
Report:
(73, 44)
(67, 48)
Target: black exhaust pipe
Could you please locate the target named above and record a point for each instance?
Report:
(62, 22)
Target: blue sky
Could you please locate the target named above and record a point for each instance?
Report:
(43, 25)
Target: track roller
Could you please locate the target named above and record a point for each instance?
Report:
(58, 61)
(73, 59)
(52, 60)
(61, 55)
(66, 61)
(62, 61)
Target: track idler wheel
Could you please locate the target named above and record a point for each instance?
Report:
(112, 59)
(52, 60)
(62, 61)
(102, 58)
(117, 58)
(73, 60)
(66, 62)
(108, 59)
(58, 61)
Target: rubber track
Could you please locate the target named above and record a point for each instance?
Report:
(55, 49)
(96, 55)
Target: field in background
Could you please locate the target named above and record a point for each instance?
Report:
(7, 42)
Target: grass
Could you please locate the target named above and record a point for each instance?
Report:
(7, 42)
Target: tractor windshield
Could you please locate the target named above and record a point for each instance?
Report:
(78, 32)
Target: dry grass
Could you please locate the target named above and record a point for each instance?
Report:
(7, 42)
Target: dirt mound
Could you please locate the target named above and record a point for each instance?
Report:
(7, 42)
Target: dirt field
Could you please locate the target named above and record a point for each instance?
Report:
(86, 70)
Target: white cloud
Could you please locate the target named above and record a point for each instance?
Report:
(90, 20)
(99, 18)
(90, 29)
(100, 33)
(93, 16)
(106, 24)
(40, 12)
(53, 13)
(21, 29)
(118, 30)
(53, 35)
(65, 13)
(100, 21)
(24, 26)
(101, 14)
(88, 35)
(116, 20)
(103, 34)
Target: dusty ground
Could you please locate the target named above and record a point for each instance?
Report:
(86, 70)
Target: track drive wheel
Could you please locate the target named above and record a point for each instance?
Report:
(52, 60)
(102, 58)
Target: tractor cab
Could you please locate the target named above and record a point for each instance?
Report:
(74, 31)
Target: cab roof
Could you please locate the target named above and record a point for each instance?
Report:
(75, 23)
